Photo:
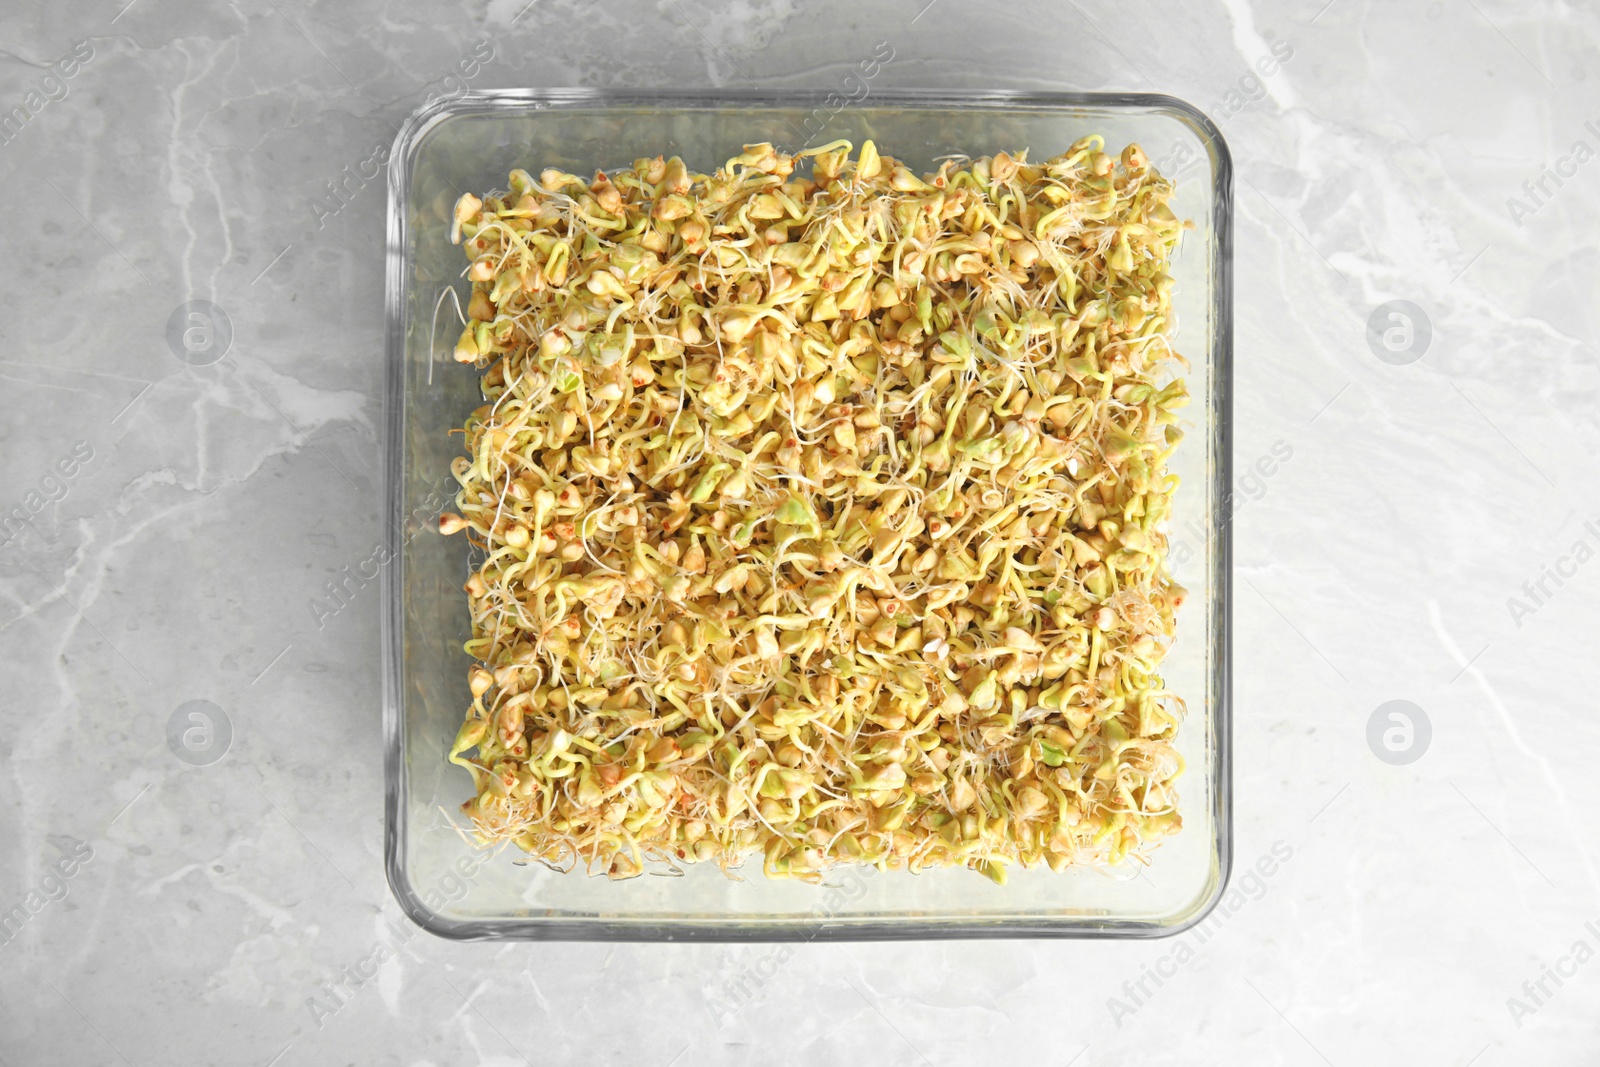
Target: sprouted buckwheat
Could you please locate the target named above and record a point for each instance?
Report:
(822, 517)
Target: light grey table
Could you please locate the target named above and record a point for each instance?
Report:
(1422, 528)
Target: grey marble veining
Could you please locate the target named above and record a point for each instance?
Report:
(1423, 527)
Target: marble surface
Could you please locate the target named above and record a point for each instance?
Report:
(1424, 529)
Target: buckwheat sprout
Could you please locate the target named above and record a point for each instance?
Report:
(889, 586)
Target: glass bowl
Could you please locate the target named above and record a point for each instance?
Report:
(469, 143)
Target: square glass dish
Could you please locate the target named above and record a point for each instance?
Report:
(469, 143)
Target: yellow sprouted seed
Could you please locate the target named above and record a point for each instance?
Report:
(822, 519)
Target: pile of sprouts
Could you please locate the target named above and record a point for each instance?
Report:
(822, 516)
